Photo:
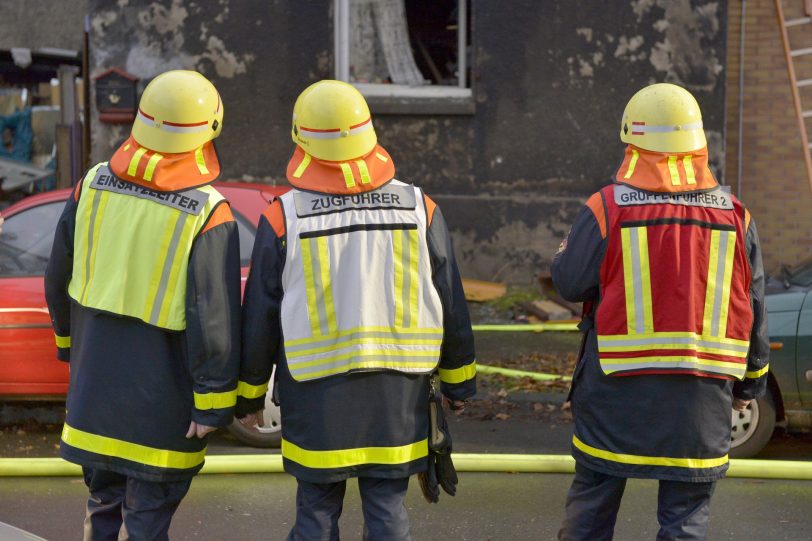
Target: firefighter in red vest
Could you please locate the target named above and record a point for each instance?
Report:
(668, 265)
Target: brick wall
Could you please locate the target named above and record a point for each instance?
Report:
(774, 184)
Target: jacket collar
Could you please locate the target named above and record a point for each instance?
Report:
(353, 176)
(666, 172)
(163, 171)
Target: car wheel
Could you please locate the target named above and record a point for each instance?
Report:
(267, 435)
(753, 427)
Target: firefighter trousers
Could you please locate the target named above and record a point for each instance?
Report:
(318, 508)
(683, 508)
(122, 507)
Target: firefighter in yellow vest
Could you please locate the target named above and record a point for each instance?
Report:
(668, 265)
(355, 297)
(143, 286)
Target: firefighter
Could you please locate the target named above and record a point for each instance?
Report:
(355, 297)
(143, 287)
(668, 265)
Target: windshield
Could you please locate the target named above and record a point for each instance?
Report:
(801, 274)
(26, 238)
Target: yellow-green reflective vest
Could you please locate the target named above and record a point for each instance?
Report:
(132, 246)
(359, 294)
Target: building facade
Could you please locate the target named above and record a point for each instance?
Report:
(772, 179)
(510, 152)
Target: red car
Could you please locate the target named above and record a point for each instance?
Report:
(28, 367)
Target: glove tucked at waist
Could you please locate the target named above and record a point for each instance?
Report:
(441, 471)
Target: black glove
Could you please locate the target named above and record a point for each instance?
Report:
(428, 481)
(441, 471)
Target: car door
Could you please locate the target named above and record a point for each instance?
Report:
(28, 365)
(803, 363)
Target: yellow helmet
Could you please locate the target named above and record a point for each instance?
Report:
(179, 111)
(331, 121)
(663, 118)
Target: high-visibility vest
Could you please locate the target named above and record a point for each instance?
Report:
(358, 290)
(132, 246)
(675, 284)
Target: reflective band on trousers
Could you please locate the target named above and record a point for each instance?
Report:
(344, 458)
(151, 456)
(640, 460)
(131, 253)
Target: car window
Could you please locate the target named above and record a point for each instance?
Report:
(247, 233)
(801, 274)
(26, 239)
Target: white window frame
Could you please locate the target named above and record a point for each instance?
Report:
(342, 63)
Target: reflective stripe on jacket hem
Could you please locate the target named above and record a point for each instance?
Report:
(343, 458)
(640, 460)
(151, 456)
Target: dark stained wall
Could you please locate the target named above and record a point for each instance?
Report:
(35, 24)
(259, 54)
(550, 83)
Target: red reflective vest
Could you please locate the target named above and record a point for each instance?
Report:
(675, 284)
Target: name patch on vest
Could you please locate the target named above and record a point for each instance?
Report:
(718, 198)
(388, 197)
(190, 201)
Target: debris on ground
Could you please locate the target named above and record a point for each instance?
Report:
(546, 310)
(29, 438)
(481, 291)
(503, 397)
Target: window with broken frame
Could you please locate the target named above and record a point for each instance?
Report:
(404, 48)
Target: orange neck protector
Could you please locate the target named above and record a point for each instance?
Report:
(666, 172)
(354, 176)
(165, 172)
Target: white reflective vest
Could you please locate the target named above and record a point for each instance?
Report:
(358, 289)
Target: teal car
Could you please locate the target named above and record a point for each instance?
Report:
(788, 401)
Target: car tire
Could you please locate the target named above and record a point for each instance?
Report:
(269, 435)
(752, 429)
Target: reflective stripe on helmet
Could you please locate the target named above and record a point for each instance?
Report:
(173, 127)
(335, 133)
(641, 128)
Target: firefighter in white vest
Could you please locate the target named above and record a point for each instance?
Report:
(143, 286)
(354, 295)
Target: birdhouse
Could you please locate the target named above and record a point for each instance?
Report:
(116, 96)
